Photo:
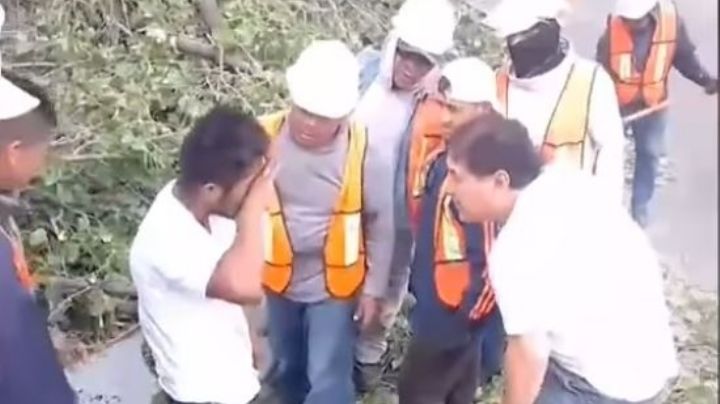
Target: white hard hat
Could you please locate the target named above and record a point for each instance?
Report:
(14, 101)
(325, 79)
(514, 16)
(428, 25)
(471, 80)
(634, 9)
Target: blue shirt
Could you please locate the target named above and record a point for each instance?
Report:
(29, 369)
(432, 322)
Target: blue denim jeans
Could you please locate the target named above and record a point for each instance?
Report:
(649, 135)
(313, 350)
(564, 387)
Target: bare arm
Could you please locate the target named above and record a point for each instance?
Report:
(524, 284)
(238, 275)
(525, 366)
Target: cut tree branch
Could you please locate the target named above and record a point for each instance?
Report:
(194, 47)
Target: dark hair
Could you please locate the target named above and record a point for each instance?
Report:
(46, 108)
(490, 143)
(222, 148)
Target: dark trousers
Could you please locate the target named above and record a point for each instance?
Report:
(432, 376)
(564, 387)
(649, 135)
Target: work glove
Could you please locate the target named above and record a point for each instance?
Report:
(711, 87)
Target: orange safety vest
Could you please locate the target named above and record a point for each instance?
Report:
(651, 84)
(22, 269)
(452, 268)
(344, 250)
(566, 137)
(426, 137)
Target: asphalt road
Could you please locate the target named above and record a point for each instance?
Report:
(686, 210)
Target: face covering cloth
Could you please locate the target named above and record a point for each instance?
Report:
(533, 50)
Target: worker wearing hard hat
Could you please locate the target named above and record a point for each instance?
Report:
(644, 39)
(455, 309)
(31, 372)
(393, 81)
(327, 249)
(567, 102)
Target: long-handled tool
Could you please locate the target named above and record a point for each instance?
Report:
(645, 112)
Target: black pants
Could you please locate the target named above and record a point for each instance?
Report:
(432, 376)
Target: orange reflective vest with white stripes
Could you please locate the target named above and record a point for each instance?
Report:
(452, 269)
(567, 137)
(651, 84)
(344, 250)
(426, 137)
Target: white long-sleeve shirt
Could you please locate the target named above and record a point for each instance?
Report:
(532, 102)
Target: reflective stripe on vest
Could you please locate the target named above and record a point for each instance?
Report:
(452, 271)
(22, 269)
(344, 250)
(567, 131)
(651, 84)
(426, 139)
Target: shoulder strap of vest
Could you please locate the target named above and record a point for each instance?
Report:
(359, 137)
(351, 193)
(667, 21)
(502, 81)
(569, 124)
(272, 123)
(359, 131)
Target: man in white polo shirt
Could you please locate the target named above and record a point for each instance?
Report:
(577, 281)
(197, 257)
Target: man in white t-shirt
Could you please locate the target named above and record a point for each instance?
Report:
(577, 281)
(197, 257)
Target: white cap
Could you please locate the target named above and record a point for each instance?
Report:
(13, 100)
(471, 80)
(634, 9)
(514, 16)
(428, 25)
(325, 79)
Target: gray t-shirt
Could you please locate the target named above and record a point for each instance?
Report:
(308, 184)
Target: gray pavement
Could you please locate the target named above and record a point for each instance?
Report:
(117, 376)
